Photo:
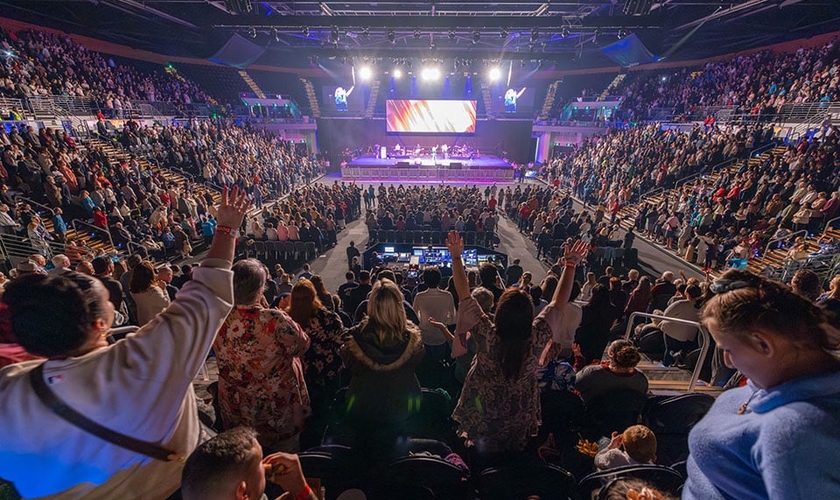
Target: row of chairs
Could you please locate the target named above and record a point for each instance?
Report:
(427, 237)
(279, 250)
(424, 476)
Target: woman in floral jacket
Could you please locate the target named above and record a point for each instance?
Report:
(261, 382)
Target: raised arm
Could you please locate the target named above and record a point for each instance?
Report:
(572, 256)
(455, 245)
(350, 91)
(519, 94)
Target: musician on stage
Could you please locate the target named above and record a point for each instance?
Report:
(445, 150)
(434, 153)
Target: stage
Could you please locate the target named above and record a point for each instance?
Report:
(426, 169)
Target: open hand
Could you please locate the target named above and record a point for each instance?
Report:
(574, 253)
(233, 207)
(455, 243)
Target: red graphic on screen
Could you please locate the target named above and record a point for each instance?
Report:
(432, 116)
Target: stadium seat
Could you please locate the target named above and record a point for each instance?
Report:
(522, 480)
(311, 250)
(300, 250)
(663, 478)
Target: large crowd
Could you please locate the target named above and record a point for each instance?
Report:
(755, 84)
(38, 63)
(470, 369)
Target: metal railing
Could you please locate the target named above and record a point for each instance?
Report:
(87, 226)
(828, 225)
(704, 334)
(22, 199)
(780, 239)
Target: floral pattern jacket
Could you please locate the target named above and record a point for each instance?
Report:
(261, 380)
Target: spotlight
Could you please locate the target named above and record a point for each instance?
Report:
(534, 35)
(416, 33)
(392, 37)
(495, 74)
(452, 34)
(276, 34)
(365, 73)
(365, 32)
(397, 73)
(504, 33)
(429, 74)
(305, 31)
(476, 36)
(622, 33)
(596, 36)
(334, 35)
(564, 32)
(252, 33)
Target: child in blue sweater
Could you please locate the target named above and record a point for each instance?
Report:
(777, 437)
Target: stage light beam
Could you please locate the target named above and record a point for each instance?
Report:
(365, 73)
(429, 74)
(397, 73)
(495, 74)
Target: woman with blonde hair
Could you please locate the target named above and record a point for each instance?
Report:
(381, 354)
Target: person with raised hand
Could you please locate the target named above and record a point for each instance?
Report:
(136, 393)
(508, 349)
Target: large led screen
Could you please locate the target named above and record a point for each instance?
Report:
(430, 116)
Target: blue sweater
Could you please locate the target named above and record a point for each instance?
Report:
(786, 445)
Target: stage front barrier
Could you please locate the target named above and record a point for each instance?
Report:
(427, 174)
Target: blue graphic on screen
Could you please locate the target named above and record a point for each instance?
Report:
(510, 99)
(341, 96)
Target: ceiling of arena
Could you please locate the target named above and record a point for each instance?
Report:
(553, 30)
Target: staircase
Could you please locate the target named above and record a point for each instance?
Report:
(617, 80)
(252, 84)
(627, 215)
(374, 94)
(115, 151)
(312, 97)
(548, 104)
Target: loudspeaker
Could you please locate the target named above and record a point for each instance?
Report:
(403, 164)
(637, 7)
(456, 165)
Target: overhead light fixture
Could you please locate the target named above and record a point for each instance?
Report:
(276, 34)
(622, 33)
(397, 73)
(252, 33)
(430, 73)
(365, 32)
(417, 33)
(365, 73)
(334, 35)
(452, 34)
(504, 33)
(495, 74)
(534, 35)
(392, 37)
(476, 36)
(305, 31)
(564, 32)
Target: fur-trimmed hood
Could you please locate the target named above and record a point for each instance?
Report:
(363, 346)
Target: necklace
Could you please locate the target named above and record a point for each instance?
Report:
(743, 408)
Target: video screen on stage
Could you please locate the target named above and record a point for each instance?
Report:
(431, 116)
(342, 98)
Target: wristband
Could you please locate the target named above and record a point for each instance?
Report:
(571, 265)
(227, 230)
(305, 493)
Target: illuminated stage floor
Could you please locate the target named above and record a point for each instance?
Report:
(424, 169)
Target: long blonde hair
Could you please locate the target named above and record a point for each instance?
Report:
(386, 314)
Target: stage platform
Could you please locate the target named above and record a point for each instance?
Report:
(425, 169)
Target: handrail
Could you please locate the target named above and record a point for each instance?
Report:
(781, 238)
(650, 193)
(22, 199)
(759, 151)
(828, 225)
(704, 349)
(79, 222)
